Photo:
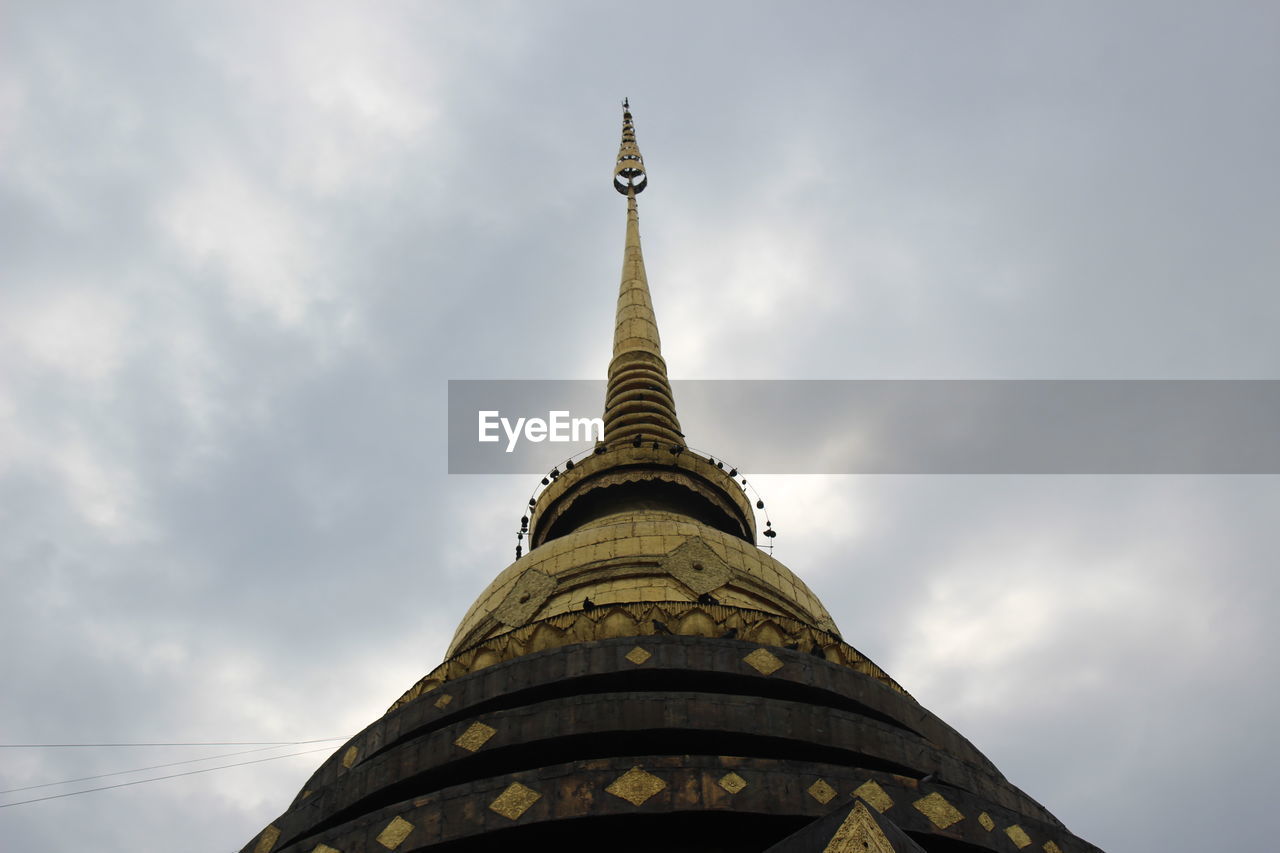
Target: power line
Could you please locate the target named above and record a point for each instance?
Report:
(186, 743)
(141, 769)
(160, 778)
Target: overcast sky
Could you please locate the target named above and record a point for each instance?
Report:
(243, 246)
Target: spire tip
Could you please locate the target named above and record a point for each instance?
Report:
(629, 176)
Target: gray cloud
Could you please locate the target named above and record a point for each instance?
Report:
(245, 248)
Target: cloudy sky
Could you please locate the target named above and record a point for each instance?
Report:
(243, 247)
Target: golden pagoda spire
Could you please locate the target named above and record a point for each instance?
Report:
(638, 402)
(643, 464)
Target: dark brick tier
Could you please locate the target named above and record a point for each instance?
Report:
(659, 741)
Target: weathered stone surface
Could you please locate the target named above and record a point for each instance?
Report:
(808, 720)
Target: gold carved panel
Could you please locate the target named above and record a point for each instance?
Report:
(696, 566)
(859, 833)
(530, 592)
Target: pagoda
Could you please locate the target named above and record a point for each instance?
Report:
(647, 678)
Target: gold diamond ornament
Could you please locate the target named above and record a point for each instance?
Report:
(1018, 836)
(476, 736)
(763, 661)
(395, 833)
(638, 655)
(636, 786)
(871, 791)
(822, 792)
(732, 782)
(940, 812)
(514, 801)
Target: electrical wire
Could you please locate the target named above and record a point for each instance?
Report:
(155, 767)
(186, 743)
(160, 778)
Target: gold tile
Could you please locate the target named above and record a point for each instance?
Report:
(324, 848)
(822, 792)
(476, 735)
(732, 782)
(987, 823)
(514, 801)
(267, 839)
(443, 700)
(763, 661)
(1051, 847)
(859, 833)
(525, 598)
(350, 756)
(871, 791)
(636, 786)
(638, 656)
(1018, 836)
(938, 810)
(394, 833)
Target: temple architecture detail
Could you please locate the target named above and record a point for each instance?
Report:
(646, 678)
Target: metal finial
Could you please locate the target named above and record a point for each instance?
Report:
(629, 177)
